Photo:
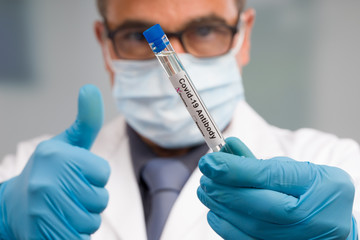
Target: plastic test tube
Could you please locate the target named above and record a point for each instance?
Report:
(180, 79)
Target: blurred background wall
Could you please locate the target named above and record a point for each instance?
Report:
(303, 71)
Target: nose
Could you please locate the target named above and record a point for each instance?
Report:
(177, 45)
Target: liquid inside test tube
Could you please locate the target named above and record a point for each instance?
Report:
(183, 85)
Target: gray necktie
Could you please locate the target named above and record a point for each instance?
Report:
(164, 178)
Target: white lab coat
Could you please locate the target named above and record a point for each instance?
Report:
(124, 219)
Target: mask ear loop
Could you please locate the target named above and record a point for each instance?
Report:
(240, 40)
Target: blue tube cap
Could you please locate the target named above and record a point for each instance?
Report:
(156, 38)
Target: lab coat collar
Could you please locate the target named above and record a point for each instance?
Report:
(255, 132)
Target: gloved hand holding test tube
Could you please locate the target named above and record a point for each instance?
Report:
(183, 85)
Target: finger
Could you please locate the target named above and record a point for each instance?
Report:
(235, 146)
(225, 229)
(263, 204)
(84, 130)
(74, 213)
(84, 236)
(279, 174)
(84, 222)
(95, 169)
(54, 228)
(237, 219)
(60, 159)
(94, 199)
(90, 192)
(248, 225)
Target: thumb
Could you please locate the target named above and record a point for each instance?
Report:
(237, 147)
(89, 120)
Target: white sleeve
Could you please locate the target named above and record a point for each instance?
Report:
(12, 164)
(347, 157)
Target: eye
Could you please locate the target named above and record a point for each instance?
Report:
(203, 31)
(133, 36)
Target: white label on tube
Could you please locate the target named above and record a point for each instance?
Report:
(197, 109)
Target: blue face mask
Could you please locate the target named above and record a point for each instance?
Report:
(146, 98)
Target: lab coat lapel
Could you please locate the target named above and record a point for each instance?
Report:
(124, 213)
(258, 136)
(255, 132)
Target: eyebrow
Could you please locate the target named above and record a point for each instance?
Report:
(128, 24)
(210, 18)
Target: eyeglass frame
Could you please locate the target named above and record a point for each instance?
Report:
(178, 35)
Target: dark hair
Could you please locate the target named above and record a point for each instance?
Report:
(101, 5)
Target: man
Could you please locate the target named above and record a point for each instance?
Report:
(60, 192)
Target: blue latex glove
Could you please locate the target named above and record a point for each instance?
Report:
(277, 198)
(60, 193)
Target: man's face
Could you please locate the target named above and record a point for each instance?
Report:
(172, 15)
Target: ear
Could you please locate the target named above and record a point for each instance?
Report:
(248, 18)
(100, 33)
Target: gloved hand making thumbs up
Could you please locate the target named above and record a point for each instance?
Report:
(60, 193)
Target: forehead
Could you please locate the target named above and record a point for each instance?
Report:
(172, 15)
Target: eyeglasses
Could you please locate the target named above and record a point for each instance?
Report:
(205, 39)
